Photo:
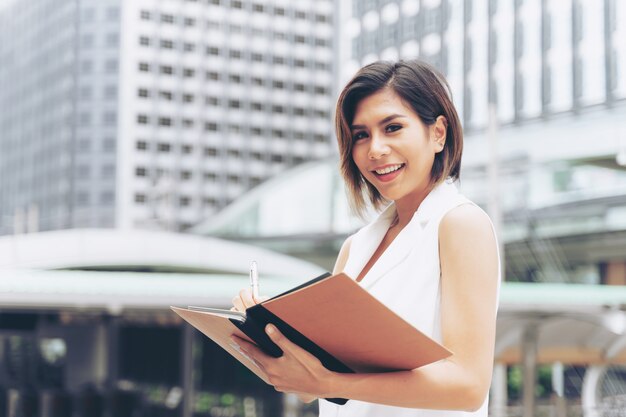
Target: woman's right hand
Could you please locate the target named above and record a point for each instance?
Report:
(245, 299)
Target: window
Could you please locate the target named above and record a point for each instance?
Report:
(257, 57)
(256, 131)
(278, 84)
(320, 90)
(188, 72)
(167, 44)
(279, 11)
(165, 121)
(166, 69)
(321, 18)
(235, 179)
(187, 98)
(277, 158)
(278, 133)
(234, 153)
(187, 123)
(142, 119)
(109, 118)
(257, 106)
(145, 15)
(212, 50)
(84, 119)
(299, 87)
(299, 63)
(300, 14)
(210, 126)
(141, 145)
(140, 198)
(185, 175)
(321, 42)
(190, 21)
(319, 138)
(167, 18)
(166, 95)
(236, 4)
(211, 75)
(210, 152)
(144, 67)
(300, 39)
(234, 78)
(110, 66)
(235, 54)
(144, 41)
(211, 177)
(298, 111)
(279, 60)
(189, 47)
(212, 101)
(256, 81)
(164, 147)
(140, 172)
(187, 149)
(142, 92)
(256, 156)
(234, 104)
(258, 8)
(112, 39)
(278, 109)
(110, 91)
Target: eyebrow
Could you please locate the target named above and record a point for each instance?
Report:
(382, 122)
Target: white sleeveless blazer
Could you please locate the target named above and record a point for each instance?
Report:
(406, 278)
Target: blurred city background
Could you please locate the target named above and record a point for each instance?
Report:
(150, 149)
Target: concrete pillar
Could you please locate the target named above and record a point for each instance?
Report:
(529, 369)
(589, 395)
(187, 369)
(558, 386)
(498, 392)
(615, 273)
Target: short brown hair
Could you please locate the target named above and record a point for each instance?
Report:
(426, 91)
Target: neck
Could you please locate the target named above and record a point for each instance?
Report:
(408, 205)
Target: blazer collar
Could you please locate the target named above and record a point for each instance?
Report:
(367, 240)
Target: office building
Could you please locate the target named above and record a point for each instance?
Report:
(540, 86)
(155, 114)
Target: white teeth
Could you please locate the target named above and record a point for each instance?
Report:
(388, 169)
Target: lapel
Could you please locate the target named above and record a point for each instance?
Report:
(366, 241)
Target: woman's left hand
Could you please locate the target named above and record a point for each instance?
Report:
(297, 371)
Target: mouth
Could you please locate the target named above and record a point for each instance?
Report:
(388, 172)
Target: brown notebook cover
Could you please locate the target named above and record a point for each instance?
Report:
(336, 320)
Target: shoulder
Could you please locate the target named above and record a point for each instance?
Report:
(465, 220)
(342, 257)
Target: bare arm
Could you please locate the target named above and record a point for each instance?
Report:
(469, 267)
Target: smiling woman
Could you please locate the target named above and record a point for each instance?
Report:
(431, 256)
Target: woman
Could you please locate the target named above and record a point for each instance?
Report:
(431, 256)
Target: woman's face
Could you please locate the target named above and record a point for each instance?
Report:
(393, 149)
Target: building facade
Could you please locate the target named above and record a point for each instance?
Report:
(540, 86)
(156, 114)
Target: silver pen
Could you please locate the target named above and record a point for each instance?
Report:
(254, 280)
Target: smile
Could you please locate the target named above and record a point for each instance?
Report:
(388, 169)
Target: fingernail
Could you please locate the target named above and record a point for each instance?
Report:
(234, 345)
(270, 329)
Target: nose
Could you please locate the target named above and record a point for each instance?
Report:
(378, 148)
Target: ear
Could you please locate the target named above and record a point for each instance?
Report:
(438, 132)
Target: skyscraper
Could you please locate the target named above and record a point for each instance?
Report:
(156, 114)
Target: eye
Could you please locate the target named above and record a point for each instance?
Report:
(393, 128)
(361, 134)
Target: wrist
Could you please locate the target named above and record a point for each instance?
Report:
(329, 385)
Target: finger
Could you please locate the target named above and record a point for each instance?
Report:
(246, 297)
(251, 350)
(238, 304)
(260, 298)
(277, 337)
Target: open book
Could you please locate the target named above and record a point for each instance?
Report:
(331, 317)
